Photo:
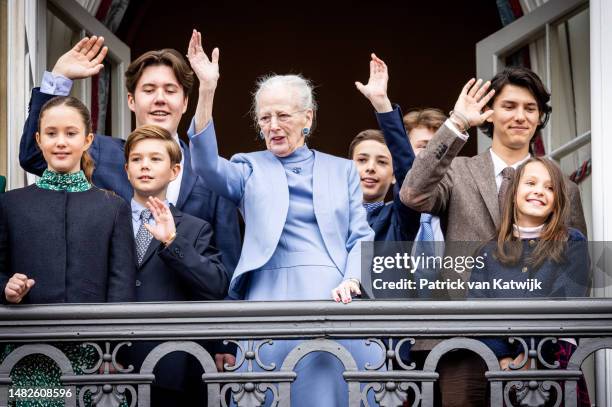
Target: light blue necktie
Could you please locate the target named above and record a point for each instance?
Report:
(372, 206)
(425, 246)
(426, 234)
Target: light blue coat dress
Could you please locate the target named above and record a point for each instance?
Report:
(304, 222)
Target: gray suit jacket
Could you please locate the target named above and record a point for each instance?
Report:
(464, 190)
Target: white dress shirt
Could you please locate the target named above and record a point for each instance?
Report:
(499, 165)
(174, 187)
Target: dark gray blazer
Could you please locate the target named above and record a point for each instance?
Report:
(77, 246)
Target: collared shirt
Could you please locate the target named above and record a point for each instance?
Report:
(449, 123)
(174, 187)
(59, 85)
(136, 209)
(372, 206)
(499, 165)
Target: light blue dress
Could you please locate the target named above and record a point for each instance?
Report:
(301, 269)
(304, 224)
(300, 257)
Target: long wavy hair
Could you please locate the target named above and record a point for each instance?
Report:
(553, 239)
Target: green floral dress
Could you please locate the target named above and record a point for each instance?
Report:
(39, 371)
(75, 182)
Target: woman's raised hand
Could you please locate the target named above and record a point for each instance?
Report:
(376, 88)
(472, 100)
(207, 70)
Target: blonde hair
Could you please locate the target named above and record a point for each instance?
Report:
(429, 118)
(152, 132)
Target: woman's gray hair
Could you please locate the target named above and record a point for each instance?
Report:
(303, 87)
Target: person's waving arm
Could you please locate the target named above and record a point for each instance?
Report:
(223, 177)
(81, 61)
(428, 186)
(390, 121)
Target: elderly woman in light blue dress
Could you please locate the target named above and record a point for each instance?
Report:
(303, 214)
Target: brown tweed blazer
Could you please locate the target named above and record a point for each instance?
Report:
(464, 190)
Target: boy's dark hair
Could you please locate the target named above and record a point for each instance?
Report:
(167, 56)
(524, 78)
(369, 134)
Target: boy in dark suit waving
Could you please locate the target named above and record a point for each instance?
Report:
(176, 261)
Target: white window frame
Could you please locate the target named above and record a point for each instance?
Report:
(601, 153)
(27, 50)
(492, 51)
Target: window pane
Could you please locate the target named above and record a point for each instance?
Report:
(570, 80)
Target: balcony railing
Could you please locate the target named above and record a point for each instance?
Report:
(388, 324)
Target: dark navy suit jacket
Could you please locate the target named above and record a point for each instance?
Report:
(189, 269)
(395, 221)
(566, 280)
(195, 198)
